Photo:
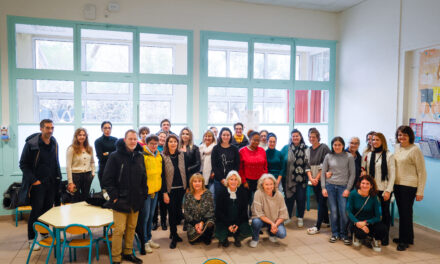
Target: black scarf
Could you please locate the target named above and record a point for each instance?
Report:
(384, 165)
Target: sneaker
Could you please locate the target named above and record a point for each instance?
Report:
(356, 242)
(287, 221)
(36, 246)
(333, 239)
(347, 241)
(148, 248)
(300, 222)
(153, 244)
(253, 244)
(376, 245)
(312, 230)
(273, 239)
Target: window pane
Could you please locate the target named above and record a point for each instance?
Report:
(106, 51)
(39, 99)
(63, 134)
(44, 47)
(271, 106)
(227, 59)
(226, 105)
(107, 101)
(311, 106)
(272, 61)
(163, 54)
(160, 101)
(313, 63)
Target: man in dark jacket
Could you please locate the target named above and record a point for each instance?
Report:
(239, 139)
(125, 180)
(41, 173)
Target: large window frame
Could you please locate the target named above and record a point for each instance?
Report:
(250, 82)
(78, 76)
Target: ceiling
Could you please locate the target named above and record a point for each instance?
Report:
(322, 5)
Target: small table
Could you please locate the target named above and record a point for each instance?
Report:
(78, 213)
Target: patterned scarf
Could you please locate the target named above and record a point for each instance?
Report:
(296, 168)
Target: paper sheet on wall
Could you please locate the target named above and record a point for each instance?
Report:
(429, 86)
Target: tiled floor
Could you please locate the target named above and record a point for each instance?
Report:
(297, 247)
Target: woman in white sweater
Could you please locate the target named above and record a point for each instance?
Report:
(80, 165)
(380, 165)
(409, 184)
(205, 156)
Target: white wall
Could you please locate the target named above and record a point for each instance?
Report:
(216, 15)
(367, 71)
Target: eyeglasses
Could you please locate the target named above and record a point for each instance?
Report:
(106, 128)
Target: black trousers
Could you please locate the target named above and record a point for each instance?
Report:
(322, 206)
(42, 198)
(82, 181)
(405, 196)
(175, 209)
(101, 174)
(377, 230)
(163, 208)
(386, 216)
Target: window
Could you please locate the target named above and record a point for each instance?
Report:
(271, 61)
(311, 106)
(227, 59)
(52, 47)
(226, 105)
(271, 106)
(163, 54)
(313, 63)
(106, 51)
(132, 76)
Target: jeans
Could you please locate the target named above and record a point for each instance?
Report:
(218, 187)
(149, 208)
(300, 198)
(322, 206)
(338, 215)
(257, 224)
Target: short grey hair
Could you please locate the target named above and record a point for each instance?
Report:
(264, 177)
(233, 173)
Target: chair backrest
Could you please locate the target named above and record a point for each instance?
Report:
(265, 262)
(77, 229)
(215, 261)
(109, 229)
(42, 229)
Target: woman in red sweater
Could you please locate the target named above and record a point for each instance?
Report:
(253, 164)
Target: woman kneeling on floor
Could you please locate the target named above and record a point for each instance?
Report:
(231, 212)
(199, 211)
(363, 209)
(268, 210)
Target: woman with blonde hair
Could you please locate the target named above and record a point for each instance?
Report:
(231, 212)
(80, 165)
(268, 210)
(192, 154)
(205, 156)
(379, 164)
(199, 211)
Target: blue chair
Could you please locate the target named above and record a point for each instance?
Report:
(265, 262)
(49, 240)
(19, 211)
(108, 238)
(215, 261)
(77, 229)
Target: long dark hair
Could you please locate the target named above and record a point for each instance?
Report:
(166, 150)
(221, 132)
(300, 134)
(77, 146)
(340, 139)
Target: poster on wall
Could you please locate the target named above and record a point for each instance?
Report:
(429, 86)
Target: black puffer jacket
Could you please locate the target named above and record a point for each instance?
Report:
(125, 178)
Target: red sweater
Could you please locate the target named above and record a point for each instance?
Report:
(252, 163)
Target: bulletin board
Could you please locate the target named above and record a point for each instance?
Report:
(429, 86)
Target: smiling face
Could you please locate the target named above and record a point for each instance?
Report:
(162, 138)
(354, 145)
(107, 129)
(272, 142)
(338, 147)
(296, 138)
(185, 136)
(172, 145)
(166, 126)
(197, 184)
(47, 130)
(255, 141)
(263, 137)
(365, 186)
(208, 139)
(313, 139)
(268, 186)
(226, 136)
(143, 135)
(152, 145)
(233, 182)
(131, 140)
(81, 137)
(238, 130)
(403, 138)
(377, 142)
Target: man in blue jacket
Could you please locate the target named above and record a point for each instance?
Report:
(41, 174)
(125, 180)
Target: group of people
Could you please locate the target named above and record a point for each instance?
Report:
(231, 185)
